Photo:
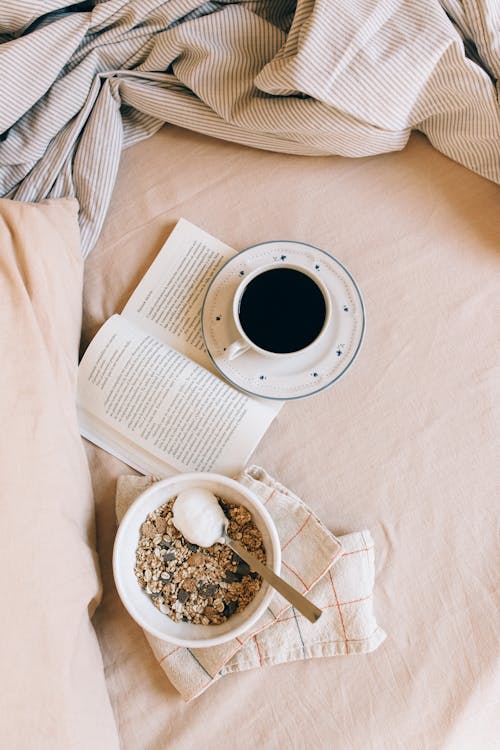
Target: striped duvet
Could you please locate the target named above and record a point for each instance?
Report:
(80, 82)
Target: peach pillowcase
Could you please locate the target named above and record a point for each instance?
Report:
(54, 691)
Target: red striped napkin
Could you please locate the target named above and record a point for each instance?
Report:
(338, 571)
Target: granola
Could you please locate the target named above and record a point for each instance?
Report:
(201, 585)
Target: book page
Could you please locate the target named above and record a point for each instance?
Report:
(101, 434)
(149, 395)
(167, 302)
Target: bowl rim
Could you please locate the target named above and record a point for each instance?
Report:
(120, 534)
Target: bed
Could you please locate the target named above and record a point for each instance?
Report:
(404, 445)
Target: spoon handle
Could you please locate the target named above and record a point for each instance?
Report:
(307, 608)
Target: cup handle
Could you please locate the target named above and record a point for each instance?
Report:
(236, 348)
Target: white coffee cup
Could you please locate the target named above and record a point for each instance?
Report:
(243, 343)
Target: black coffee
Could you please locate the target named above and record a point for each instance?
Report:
(282, 310)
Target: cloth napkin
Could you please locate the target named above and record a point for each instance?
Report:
(339, 572)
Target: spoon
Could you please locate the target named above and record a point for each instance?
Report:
(201, 520)
(305, 607)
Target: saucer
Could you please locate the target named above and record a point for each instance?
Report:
(294, 375)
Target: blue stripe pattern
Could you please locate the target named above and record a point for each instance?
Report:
(79, 82)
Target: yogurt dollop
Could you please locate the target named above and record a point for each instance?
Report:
(198, 516)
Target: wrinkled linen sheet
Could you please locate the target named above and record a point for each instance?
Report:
(79, 82)
(404, 444)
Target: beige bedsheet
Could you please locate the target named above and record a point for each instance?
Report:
(403, 445)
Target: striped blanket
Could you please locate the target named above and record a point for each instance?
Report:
(80, 82)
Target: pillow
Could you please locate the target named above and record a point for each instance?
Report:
(54, 691)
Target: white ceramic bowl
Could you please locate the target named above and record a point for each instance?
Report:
(138, 602)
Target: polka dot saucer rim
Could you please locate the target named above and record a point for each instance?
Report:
(292, 376)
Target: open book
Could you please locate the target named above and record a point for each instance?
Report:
(147, 390)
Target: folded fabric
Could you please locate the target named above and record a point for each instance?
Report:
(81, 81)
(338, 571)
